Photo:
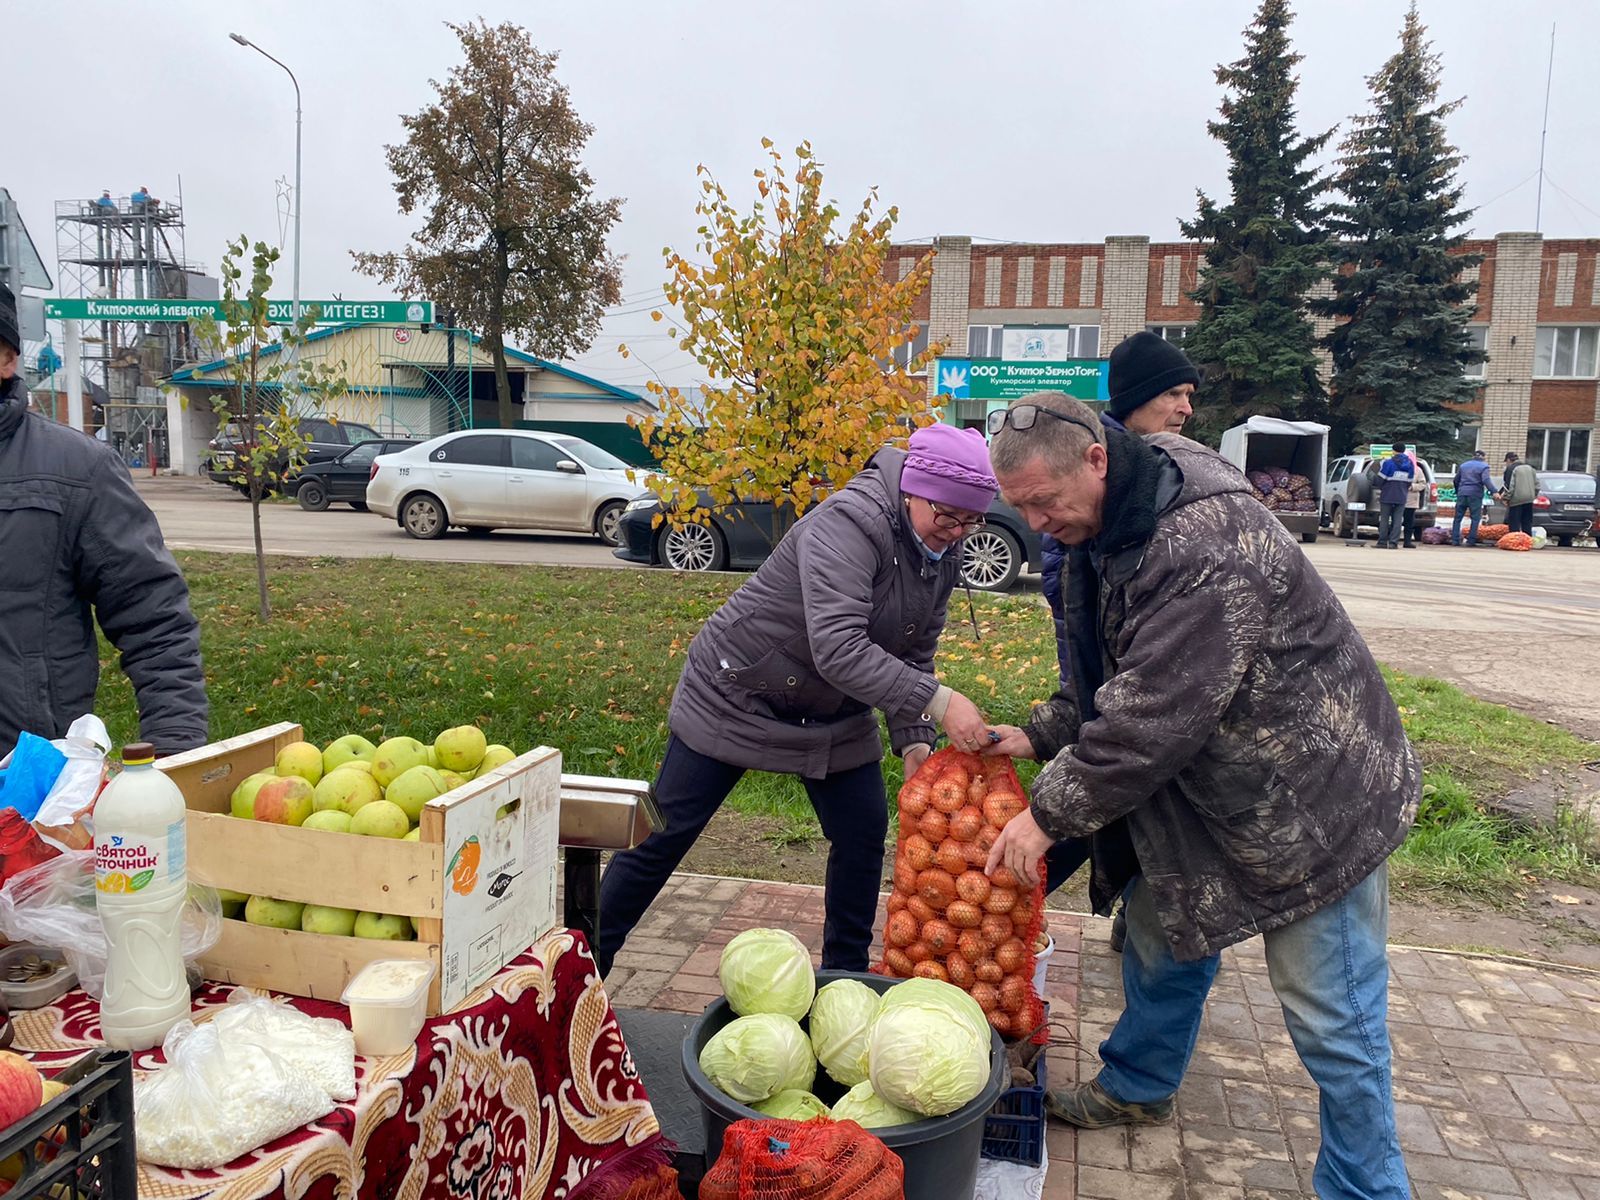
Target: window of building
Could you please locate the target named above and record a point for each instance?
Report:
(906, 353)
(1176, 334)
(1478, 336)
(1559, 449)
(985, 341)
(1565, 352)
(1047, 342)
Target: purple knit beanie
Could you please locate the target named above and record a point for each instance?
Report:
(949, 466)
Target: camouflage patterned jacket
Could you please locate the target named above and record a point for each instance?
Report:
(1243, 730)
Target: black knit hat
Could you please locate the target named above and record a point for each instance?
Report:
(10, 334)
(1143, 367)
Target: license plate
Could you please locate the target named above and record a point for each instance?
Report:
(1576, 507)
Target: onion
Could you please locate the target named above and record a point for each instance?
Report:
(986, 838)
(934, 826)
(896, 903)
(918, 952)
(1003, 876)
(1014, 993)
(1000, 901)
(951, 857)
(963, 914)
(1001, 1020)
(964, 826)
(940, 936)
(1000, 807)
(988, 971)
(996, 928)
(960, 972)
(920, 909)
(972, 946)
(899, 965)
(918, 851)
(914, 799)
(1012, 955)
(977, 856)
(985, 994)
(977, 790)
(950, 792)
(929, 969)
(973, 887)
(936, 888)
(905, 877)
(900, 929)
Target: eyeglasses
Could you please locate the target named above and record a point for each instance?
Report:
(1022, 417)
(948, 518)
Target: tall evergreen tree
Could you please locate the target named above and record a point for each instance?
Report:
(1400, 350)
(1266, 246)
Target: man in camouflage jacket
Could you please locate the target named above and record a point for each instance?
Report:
(1241, 749)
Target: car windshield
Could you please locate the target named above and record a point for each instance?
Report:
(590, 455)
(1567, 485)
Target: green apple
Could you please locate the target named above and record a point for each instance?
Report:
(302, 759)
(397, 756)
(243, 801)
(381, 818)
(414, 789)
(383, 928)
(346, 790)
(232, 902)
(433, 757)
(319, 918)
(453, 781)
(494, 757)
(286, 800)
(329, 820)
(414, 836)
(275, 914)
(461, 748)
(352, 747)
(356, 764)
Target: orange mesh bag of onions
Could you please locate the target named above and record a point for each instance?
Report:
(811, 1160)
(947, 919)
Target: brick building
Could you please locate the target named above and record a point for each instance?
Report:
(1538, 318)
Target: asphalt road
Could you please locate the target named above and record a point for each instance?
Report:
(1521, 629)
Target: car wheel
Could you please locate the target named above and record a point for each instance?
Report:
(605, 522)
(423, 516)
(1564, 539)
(1309, 538)
(312, 495)
(359, 505)
(1343, 526)
(991, 559)
(693, 548)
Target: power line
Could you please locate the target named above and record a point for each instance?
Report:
(1573, 198)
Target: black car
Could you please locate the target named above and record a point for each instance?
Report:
(325, 438)
(1564, 507)
(343, 479)
(739, 537)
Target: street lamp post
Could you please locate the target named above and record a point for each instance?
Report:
(244, 41)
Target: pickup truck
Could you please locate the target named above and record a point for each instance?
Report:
(1286, 463)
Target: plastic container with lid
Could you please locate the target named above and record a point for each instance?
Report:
(388, 1000)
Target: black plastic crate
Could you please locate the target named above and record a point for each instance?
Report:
(95, 1158)
(1014, 1129)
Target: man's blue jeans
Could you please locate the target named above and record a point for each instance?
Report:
(1331, 973)
(1465, 505)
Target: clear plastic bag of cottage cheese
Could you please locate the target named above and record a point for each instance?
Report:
(216, 1099)
(319, 1046)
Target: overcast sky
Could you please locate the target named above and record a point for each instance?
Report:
(1063, 121)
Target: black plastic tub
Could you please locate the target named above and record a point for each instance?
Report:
(940, 1154)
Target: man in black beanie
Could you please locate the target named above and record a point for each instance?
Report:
(1152, 382)
(78, 544)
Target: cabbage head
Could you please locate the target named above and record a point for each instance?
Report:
(792, 1105)
(869, 1110)
(841, 1024)
(754, 1058)
(924, 1060)
(767, 971)
(938, 994)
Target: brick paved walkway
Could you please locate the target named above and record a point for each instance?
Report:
(1497, 1065)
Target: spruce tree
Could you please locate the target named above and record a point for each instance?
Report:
(1266, 247)
(1400, 350)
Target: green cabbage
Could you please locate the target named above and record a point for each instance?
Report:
(924, 1053)
(869, 1110)
(841, 1024)
(767, 971)
(792, 1105)
(754, 1058)
(939, 994)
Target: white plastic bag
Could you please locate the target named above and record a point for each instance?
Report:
(1540, 536)
(320, 1047)
(215, 1100)
(53, 905)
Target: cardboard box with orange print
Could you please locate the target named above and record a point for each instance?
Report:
(479, 884)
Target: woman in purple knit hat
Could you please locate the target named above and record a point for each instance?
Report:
(840, 623)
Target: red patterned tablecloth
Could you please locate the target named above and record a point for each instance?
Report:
(526, 1091)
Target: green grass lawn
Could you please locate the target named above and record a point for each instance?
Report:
(585, 660)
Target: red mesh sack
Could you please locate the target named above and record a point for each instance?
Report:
(947, 919)
(803, 1160)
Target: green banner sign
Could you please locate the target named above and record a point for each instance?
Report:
(280, 312)
(992, 379)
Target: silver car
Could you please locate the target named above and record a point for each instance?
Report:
(1350, 499)
(502, 479)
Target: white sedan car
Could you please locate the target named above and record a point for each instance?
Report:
(502, 479)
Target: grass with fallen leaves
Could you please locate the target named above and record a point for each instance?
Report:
(585, 660)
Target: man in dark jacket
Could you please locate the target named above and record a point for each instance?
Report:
(1247, 739)
(1472, 485)
(77, 544)
(1151, 384)
(1395, 477)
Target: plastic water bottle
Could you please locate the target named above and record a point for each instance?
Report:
(141, 885)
